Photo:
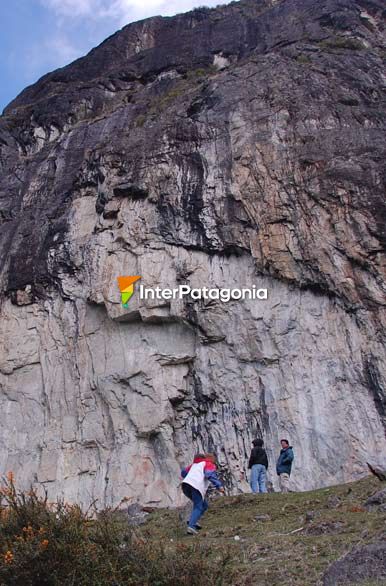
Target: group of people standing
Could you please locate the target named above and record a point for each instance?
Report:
(258, 465)
(197, 477)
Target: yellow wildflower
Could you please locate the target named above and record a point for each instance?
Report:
(28, 531)
(8, 557)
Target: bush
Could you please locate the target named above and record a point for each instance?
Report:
(44, 544)
(343, 43)
(162, 102)
(303, 59)
(140, 120)
(197, 74)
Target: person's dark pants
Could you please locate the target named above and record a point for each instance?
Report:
(200, 505)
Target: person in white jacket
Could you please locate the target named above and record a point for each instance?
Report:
(195, 483)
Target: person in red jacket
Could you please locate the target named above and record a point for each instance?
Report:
(195, 483)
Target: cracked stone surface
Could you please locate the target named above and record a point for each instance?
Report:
(228, 147)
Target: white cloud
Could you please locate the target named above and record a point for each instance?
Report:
(73, 8)
(62, 48)
(56, 51)
(129, 10)
(122, 11)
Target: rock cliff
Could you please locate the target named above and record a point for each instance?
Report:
(227, 147)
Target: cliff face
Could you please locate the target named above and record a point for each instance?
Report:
(229, 147)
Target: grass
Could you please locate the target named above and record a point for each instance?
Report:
(161, 103)
(267, 552)
(43, 544)
(299, 535)
(196, 74)
(183, 86)
(343, 43)
(303, 59)
(140, 120)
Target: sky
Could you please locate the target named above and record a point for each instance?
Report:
(38, 36)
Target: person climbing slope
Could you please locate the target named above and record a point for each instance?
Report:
(195, 483)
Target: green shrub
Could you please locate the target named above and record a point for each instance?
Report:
(140, 120)
(44, 544)
(196, 74)
(343, 43)
(161, 103)
(303, 59)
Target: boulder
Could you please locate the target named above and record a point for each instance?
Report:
(365, 563)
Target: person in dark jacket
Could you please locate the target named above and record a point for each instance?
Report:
(284, 465)
(258, 464)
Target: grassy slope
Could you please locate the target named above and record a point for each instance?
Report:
(267, 553)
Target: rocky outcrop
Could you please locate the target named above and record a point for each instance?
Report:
(229, 147)
(377, 501)
(377, 472)
(361, 565)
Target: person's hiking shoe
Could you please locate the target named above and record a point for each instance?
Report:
(197, 526)
(191, 531)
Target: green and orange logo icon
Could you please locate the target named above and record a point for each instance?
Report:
(126, 287)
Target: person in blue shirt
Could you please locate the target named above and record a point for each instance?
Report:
(284, 465)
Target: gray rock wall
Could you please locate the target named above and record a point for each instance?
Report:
(255, 158)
